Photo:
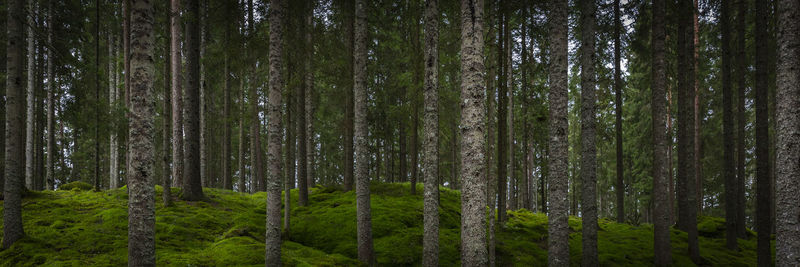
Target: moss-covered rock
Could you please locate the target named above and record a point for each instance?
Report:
(85, 228)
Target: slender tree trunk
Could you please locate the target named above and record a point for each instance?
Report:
(167, 182)
(687, 207)
(430, 243)
(402, 145)
(698, 118)
(177, 93)
(349, 113)
(492, 84)
(510, 115)
(662, 212)
(727, 132)
(126, 45)
(787, 239)
(242, 138)
(202, 20)
(30, 96)
(302, 148)
(273, 233)
(97, 111)
(51, 144)
(227, 181)
(14, 120)
(141, 205)
(558, 232)
(309, 100)
(763, 183)
(113, 180)
(255, 125)
(502, 113)
(620, 185)
(588, 146)
(741, 74)
(473, 198)
(363, 211)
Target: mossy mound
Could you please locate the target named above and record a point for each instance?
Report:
(86, 228)
(76, 186)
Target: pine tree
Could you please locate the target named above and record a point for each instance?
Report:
(363, 210)
(50, 99)
(30, 97)
(762, 180)
(727, 135)
(273, 233)
(662, 213)
(620, 185)
(192, 187)
(177, 92)
(430, 245)
(588, 146)
(558, 230)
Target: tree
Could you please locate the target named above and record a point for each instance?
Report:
(14, 121)
(227, 181)
(558, 230)
(502, 111)
(141, 203)
(30, 96)
(473, 198)
(51, 144)
(687, 209)
(662, 212)
(363, 210)
(309, 101)
(177, 92)
(620, 185)
(727, 133)
(741, 79)
(588, 146)
(430, 243)
(113, 179)
(97, 112)
(349, 113)
(167, 182)
(763, 181)
(192, 187)
(787, 239)
(273, 233)
(302, 143)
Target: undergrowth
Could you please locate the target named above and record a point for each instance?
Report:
(79, 227)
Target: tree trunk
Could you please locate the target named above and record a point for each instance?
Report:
(558, 232)
(309, 100)
(242, 138)
(763, 183)
(687, 207)
(302, 142)
(787, 239)
(430, 243)
(14, 120)
(492, 84)
(348, 117)
(113, 180)
(141, 206)
(227, 181)
(255, 123)
(363, 211)
(510, 116)
(661, 186)
(98, 113)
(698, 118)
(30, 96)
(741, 74)
(502, 113)
(51, 143)
(588, 146)
(729, 171)
(619, 188)
(126, 46)
(473, 198)
(273, 233)
(202, 20)
(177, 94)
(167, 182)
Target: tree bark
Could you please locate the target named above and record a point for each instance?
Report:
(309, 101)
(661, 187)
(202, 20)
(273, 233)
(502, 113)
(558, 231)
(141, 204)
(588, 146)
(687, 207)
(698, 118)
(430, 243)
(741, 74)
(729, 172)
(349, 113)
(177, 93)
(14, 119)
(227, 181)
(787, 239)
(167, 182)
(242, 138)
(763, 183)
(302, 142)
(30, 96)
(363, 210)
(255, 123)
(473, 198)
(51, 143)
(98, 113)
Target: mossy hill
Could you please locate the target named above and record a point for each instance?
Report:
(80, 227)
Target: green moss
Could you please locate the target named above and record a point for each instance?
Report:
(78, 185)
(85, 228)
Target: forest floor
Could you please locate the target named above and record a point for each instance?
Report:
(79, 227)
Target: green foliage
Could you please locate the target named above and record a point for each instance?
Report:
(74, 228)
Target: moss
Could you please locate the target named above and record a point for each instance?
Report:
(86, 228)
(78, 185)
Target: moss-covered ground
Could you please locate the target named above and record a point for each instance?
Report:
(79, 227)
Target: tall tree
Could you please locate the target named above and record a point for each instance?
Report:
(273, 233)
(349, 113)
(698, 118)
(255, 125)
(741, 79)
(787, 239)
(363, 211)
(227, 181)
(727, 131)
(620, 185)
(177, 91)
(126, 66)
(203, 21)
(687, 209)
(763, 183)
(430, 243)
(302, 143)
(558, 230)
(588, 146)
(473, 198)
(14, 123)
(309, 100)
(97, 111)
(192, 187)
(502, 112)
(167, 182)
(113, 179)
(51, 144)
(662, 212)
(30, 96)
(141, 203)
